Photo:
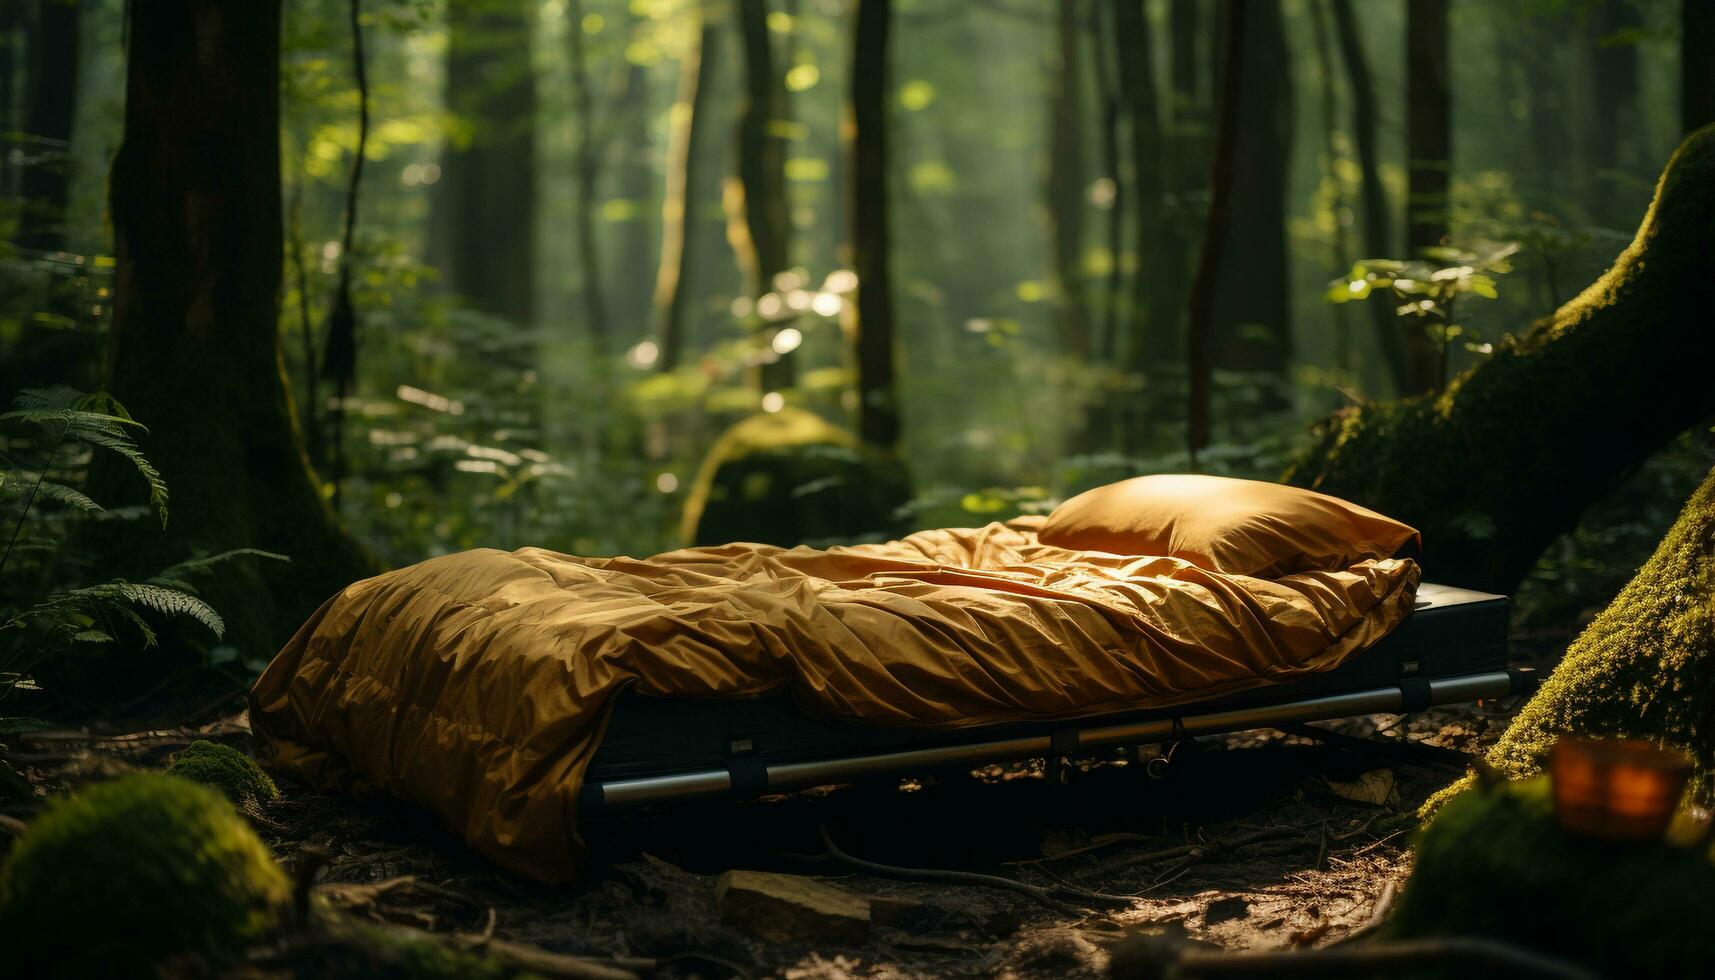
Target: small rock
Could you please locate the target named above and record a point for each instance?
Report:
(790, 908)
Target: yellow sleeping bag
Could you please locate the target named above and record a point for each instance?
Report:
(478, 684)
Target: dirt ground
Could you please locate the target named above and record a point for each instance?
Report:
(1255, 840)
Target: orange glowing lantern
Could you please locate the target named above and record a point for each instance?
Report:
(1621, 790)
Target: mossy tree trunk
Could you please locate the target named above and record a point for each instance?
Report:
(1646, 667)
(195, 343)
(1510, 455)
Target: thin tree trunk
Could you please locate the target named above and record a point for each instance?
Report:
(758, 225)
(1696, 63)
(195, 334)
(1252, 318)
(673, 277)
(482, 235)
(1200, 331)
(1614, 121)
(52, 101)
(1378, 230)
(873, 320)
(1343, 353)
(635, 249)
(1066, 180)
(1428, 151)
(1105, 343)
(1152, 321)
(586, 169)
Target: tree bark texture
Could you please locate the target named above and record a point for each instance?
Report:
(482, 235)
(1577, 402)
(1428, 151)
(873, 312)
(195, 339)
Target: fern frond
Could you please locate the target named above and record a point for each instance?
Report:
(59, 493)
(55, 398)
(175, 574)
(119, 442)
(173, 602)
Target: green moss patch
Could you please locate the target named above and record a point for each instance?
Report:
(1645, 668)
(1495, 863)
(129, 874)
(232, 772)
(788, 478)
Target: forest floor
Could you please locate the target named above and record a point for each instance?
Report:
(1255, 840)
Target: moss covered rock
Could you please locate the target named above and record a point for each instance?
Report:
(1645, 668)
(226, 769)
(1510, 455)
(132, 873)
(1494, 863)
(790, 477)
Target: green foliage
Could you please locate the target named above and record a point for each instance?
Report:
(1495, 863)
(127, 875)
(1428, 288)
(232, 772)
(52, 434)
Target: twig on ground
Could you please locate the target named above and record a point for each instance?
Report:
(541, 961)
(1204, 850)
(1042, 895)
(12, 825)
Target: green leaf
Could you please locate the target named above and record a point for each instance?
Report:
(17, 726)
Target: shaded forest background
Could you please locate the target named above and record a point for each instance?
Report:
(593, 235)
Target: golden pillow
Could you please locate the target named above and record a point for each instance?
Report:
(1241, 527)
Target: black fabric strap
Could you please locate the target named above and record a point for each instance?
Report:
(1063, 742)
(1414, 695)
(749, 776)
(1523, 681)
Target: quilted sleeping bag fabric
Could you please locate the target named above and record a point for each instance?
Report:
(478, 684)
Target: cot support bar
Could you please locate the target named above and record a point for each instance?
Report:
(623, 793)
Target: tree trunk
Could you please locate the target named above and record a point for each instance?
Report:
(1645, 668)
(1066, 180)
(195, 339)
(1200, 331)
(1152, 324)
(673, 282)
(1344, 358)
(1696, 63)
(1104, 343)
(1614, 121)
(482, 235)
(1576, 403)
(872, 313)
(1378, 231)
(1428, 151)
(636, 183)
(758, 225)
(1252, 306)
(586, 169)
(52, 55)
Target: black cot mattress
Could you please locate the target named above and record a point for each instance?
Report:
(1451, 649)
